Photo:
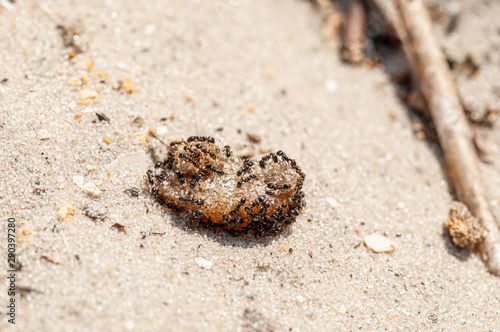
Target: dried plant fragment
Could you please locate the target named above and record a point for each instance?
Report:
(354, 36)
(464, 228)
(69, 37)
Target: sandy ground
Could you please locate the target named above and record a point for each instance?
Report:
(224, 68)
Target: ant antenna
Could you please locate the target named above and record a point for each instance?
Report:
(159, 140)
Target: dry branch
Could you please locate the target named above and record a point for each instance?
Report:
(412, 23)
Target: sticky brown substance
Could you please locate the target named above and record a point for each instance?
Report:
(210, 185)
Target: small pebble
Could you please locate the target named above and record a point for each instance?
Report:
(72, 105)
(83, 101)
(122, 65)
(79, 180)
(88, 94)
(161, 130)
(333, 202)
(150, 29)
(331, 85)
(95, 210)
(203, 263)
(66, 212)
(379, 243)
(129, 325)
(401, 205)
(263, 150)
(91, 189)
(128, 86)
(106, 140)
(43, 135)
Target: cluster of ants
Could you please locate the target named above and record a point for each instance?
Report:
(223, 192)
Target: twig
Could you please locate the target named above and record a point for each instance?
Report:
(411, 21)
(354, 33)
(331, 15)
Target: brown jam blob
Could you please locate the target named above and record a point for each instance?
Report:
(210, 185)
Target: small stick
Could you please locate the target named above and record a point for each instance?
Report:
(354, 33)
(331, 15)
(412, 23)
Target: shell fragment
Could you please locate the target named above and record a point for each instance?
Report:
(379, 243)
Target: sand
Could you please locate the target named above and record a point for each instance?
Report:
(225, 69)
